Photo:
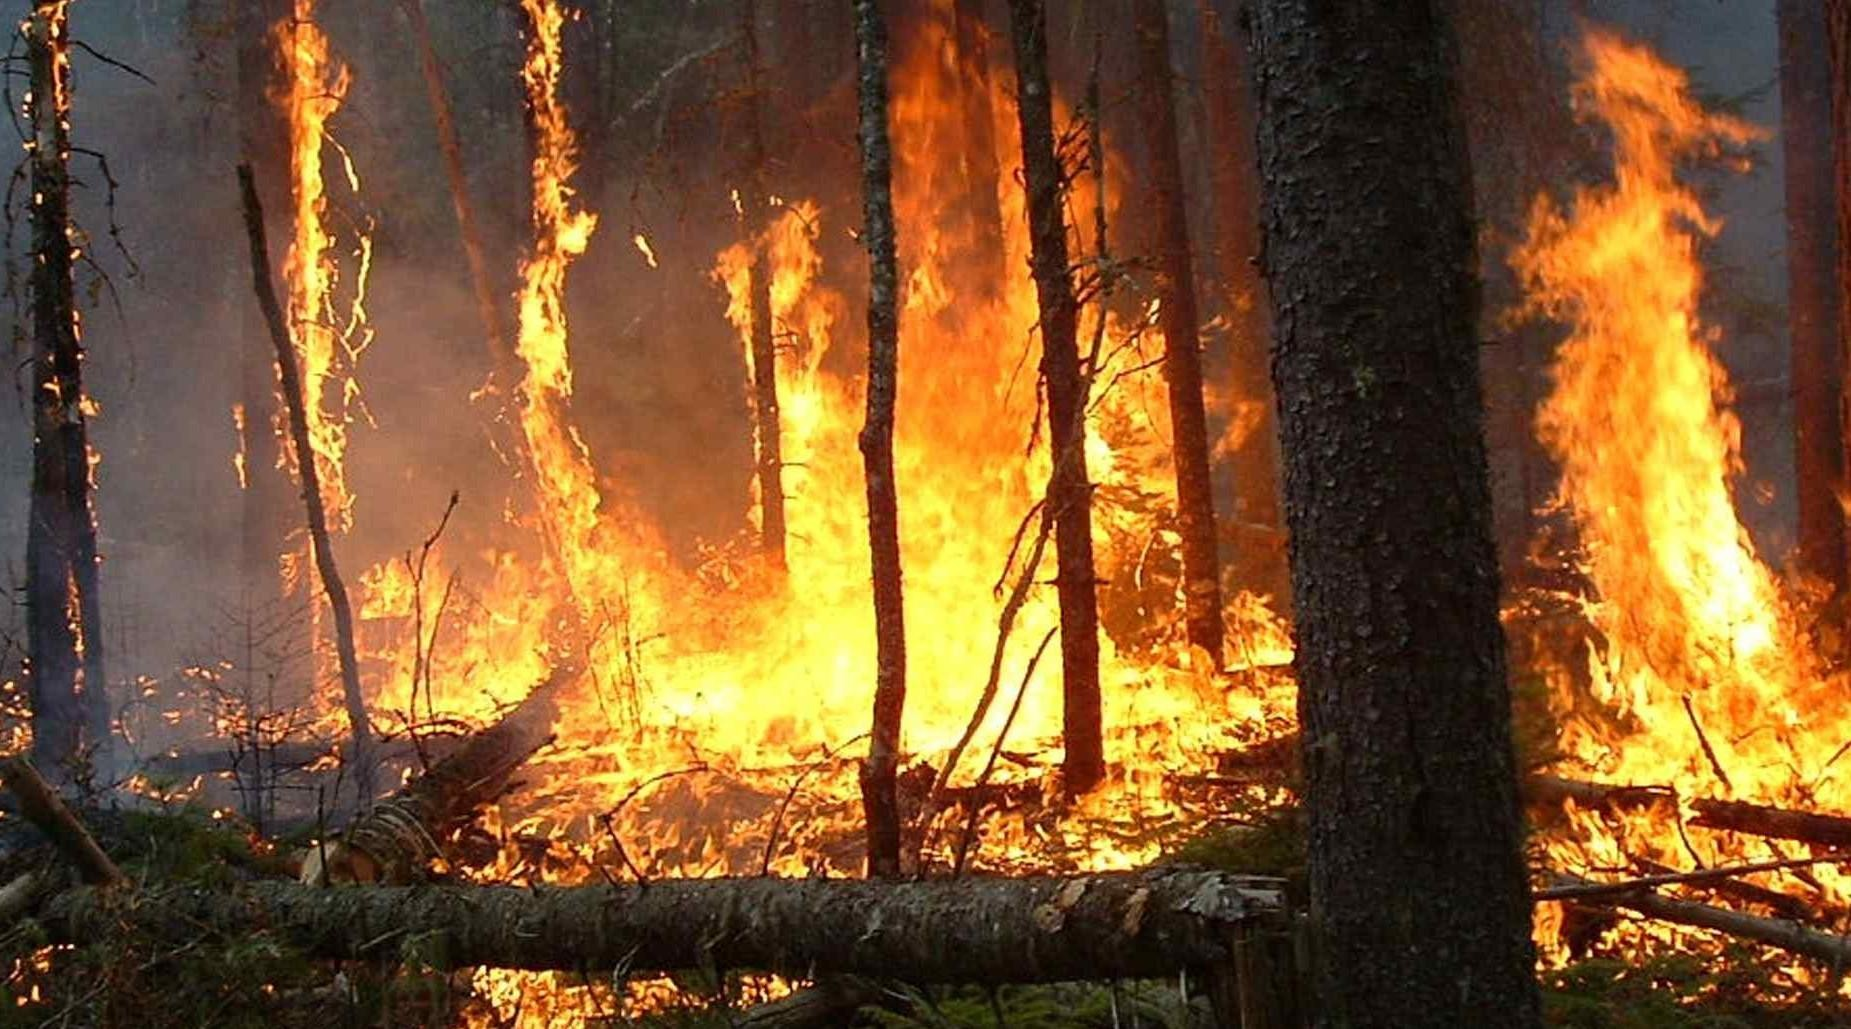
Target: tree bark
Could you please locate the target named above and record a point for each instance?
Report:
(44, 808)
(488, 306)
(1812, 303)
(1253, 450)
(1419, 903)
(397, 840)
(878, 775)
(1838, 32)
(68, 688)
(1182, 357)
(1045, 184)
(968, 930)
(359, 725)
(755, 217)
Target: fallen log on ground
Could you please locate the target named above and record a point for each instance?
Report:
(1833, 949)
(44, 808)
(969, 930)
(1729, 815)
(397, 840)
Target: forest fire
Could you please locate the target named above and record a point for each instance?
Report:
(631, 757)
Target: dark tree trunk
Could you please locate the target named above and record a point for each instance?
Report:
(358, 724)
(1419, 904)
(1124, 925)
(878, 775)
(264, 144)
(1182, 357)
(1812, 300)
(449, 143)
(1838, 31)
(64, 629)
(1254, 454)
(971, 34)
(1071, 494)
(755, 216)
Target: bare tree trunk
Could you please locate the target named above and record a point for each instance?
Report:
(1123, 925)
(263, 142)
(355, 699)
(1420, 905)
(1182, 358)
(68, 690)
(1838, 31)
(1071, 494)
(1812, 302)
(1254, 450)
(488, 307)
(755, 219)
(971, 34)
(878, 775)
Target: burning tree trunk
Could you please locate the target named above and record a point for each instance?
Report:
(1838, 31)
(1812, 304)
(755, 218)
(968, 930)
(69, 693)
(1418, 894)
(877, 779)
(1182, 359)
(263, 143)
(488, 307)
(357, 721)
(1253, 433)
(1070, 494)
(970, 35)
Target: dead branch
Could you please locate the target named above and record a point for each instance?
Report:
(1788, 936)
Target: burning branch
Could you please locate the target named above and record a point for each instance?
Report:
(358, 722)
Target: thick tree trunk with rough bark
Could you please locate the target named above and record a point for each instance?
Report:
(1253, 436)
(1182, 356)
(968, 930)
(755, 219)
(1070, 494)
(878, 775)
(1817, 359)
(64, 628)
(1419, 905)
(359, 725)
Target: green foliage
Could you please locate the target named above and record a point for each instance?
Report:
(1735, 988)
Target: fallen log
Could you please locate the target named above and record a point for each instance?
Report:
(397, 840)
(967, 930)
(44, 808)
(832, 1001)
(1761, 820)
(1789, 936)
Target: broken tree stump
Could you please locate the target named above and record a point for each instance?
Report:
(968, 930)
(399, 838)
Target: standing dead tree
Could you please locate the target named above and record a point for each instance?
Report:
(68, 688)
(878, 775)
(1182, 358)
(1071, 494)
(488, 308)
(755, 219)
(359, 725)
(1812, 302)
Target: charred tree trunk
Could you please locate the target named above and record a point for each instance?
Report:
(971, 36)
(488, 306)
(358, 724)
(1070, 494)
(1838, 31)
(968, 930)
(1419, 904)
(1812, 302)
(755, 218)
(878, 775)
(264, 144)
(64, 628)
(1182, 357)
(1253, 450)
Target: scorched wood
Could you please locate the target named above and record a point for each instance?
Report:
(969, 930)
